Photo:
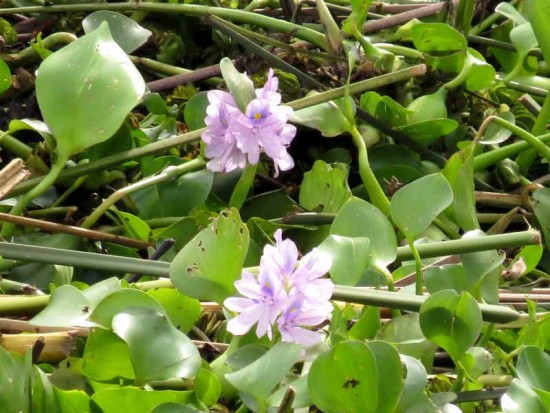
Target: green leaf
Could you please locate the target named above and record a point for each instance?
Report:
(72, 401)
(43, 396)
(541, 208)
(477, 361)
(326, 117)
(495, 133)
(252, 380)
(195, 111)
(174, 198)
(100, 85)
(438, 37)
(428, 107)
(345, 379)
(132, 399)
(390, 375)
(519, 398)
(106, 357)
(15, 384)
(207, 387)
(134, 226)
(350, 258)
(374, 225)
(174, 408)
(5, 76)
(239, 84)
(415, 381)
(451, 321)
(70, 307)
(325, 188)
(481, 74)
(126, 32)
(426, 132)
(207, 267)
(414, 207)
(446, 277)
(158, 350)
(119, 301)
(367, 325)
(182, 311)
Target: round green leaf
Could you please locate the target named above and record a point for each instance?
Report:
(414, 207)
(451, 321)
(126, 32)
(345, 379)
(100, 86)
(195, 111)
(207, 387)
(239, 84)
(438, 37)
(521, 399)
(426, 132)
(350, 257)
(390, 375)
(415, 381)
(174, 408)
(135, 400)
(5, 76)
(374, 225)
(259, 378)
(207, 267)
(325, 188)
(497, 134)
(182, 311)
(158, 350)
(326, 117)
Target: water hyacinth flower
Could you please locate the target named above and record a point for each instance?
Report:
(288, 293)
(234, 138)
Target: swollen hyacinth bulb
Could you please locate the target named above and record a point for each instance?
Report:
(428, 107)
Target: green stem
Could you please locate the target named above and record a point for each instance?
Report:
(459, 382)
(236, 15)
(168, 173)
(29, 55)
(23, 304)
(526, 158)
(400, 50)
(375, 191)
(243, 187)
(462, 76)
(489, 21)
(487, 159)
(419, 279)
(47, 182)
(75, 185)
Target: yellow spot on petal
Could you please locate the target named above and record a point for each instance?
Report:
(257, 116)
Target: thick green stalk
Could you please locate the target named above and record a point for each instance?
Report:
(419, 277)
(47, 181)
(165, 175)
(235, 15)
(375, 191)
(243, 187)
(489, 158)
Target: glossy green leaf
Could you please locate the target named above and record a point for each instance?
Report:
(413, 387)
(438, 37)
(541, 208)
(174, 198)
(195, 111)
(35, 125)
(374, 225)
(174, 408)
(135, 400)
(477, 361)
(481, 74)
(301, 398)
(326, 117)
(519, 398)
(43, 395)
(325, 188)
(239, 84)
(345, 379)
(134, 226)
(119, 301)
(426, 132)
(182, 311)
(69, 306)
(126, 32)
(446, 277)
(414, 207)
(106, 357)
(367, 324)
(207, 387)
(72, 401)
(100, 85)
(497, 134)
(350, 258)
(459, 171)
(508, 10)
(211, 262)
(252, 380)
(5, 76)
(158, 350)
(451, 321)
(531, 366)
(390, 375)
(15, 384)
(428, 107)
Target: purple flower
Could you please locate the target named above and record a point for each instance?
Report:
(234, 138)
(287, 293)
